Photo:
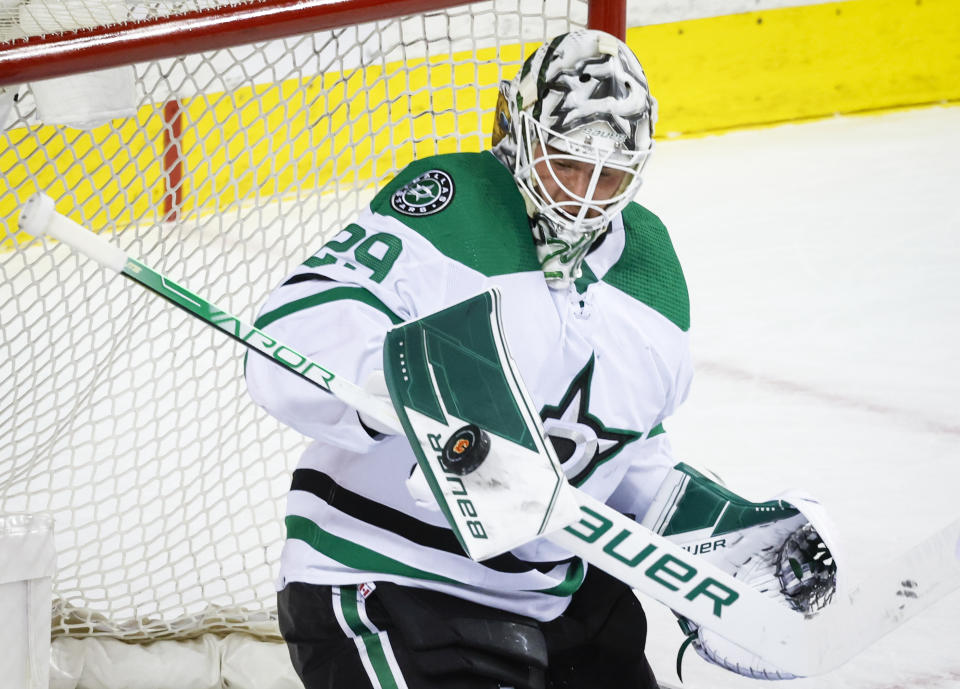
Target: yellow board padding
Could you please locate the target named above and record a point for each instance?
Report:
(796, 63)
(357, 128)
(102, 177)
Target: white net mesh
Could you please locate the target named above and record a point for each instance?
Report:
(120, 416)
(22, 18)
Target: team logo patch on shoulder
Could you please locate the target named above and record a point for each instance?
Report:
(429, 193)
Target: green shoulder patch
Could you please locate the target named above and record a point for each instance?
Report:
(649, 270)
(424, 195)
(468, 206)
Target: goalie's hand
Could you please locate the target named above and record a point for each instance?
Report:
(801, 571)
(376, 385)
(420, 491)
(781, 548)
(806, 570)
(417, 486)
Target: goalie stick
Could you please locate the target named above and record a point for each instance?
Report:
(649, 563)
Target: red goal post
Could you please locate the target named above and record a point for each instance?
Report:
(220, 141)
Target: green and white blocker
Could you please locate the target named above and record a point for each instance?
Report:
(604, 363)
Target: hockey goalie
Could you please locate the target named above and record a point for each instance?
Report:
(377, 585)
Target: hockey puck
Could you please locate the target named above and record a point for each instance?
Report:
(465, 450)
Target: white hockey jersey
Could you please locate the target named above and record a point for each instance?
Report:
(605, 362)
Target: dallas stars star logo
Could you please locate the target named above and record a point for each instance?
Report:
(583, 442)
(597, 91)
(429, 193)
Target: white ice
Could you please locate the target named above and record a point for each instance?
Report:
(823, 261)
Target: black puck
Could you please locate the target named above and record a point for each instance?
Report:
(465, 450)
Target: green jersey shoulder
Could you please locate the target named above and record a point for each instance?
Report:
(468, 207)
(648, 269)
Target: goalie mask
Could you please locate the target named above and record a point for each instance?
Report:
(575, 128)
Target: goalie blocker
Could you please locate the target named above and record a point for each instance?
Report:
(476, 434)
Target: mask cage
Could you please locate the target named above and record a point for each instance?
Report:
(578, 212)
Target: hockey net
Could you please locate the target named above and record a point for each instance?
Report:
(119, 416)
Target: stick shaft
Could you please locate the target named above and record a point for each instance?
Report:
(260, 342)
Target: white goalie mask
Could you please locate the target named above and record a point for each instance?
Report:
(575, 127)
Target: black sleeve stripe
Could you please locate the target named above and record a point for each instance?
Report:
(335, 294)
(307, 277)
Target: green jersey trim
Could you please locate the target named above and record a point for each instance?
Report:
(334, 294)
(571, 583)
(483, 226)
(350, 610)
(351, 554)
(586, 278)
(366, 560)
(372, 642)
(649, 270)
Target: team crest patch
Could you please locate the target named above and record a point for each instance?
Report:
(429, 193)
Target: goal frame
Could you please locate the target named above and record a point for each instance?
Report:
(54, 55)
(62, 54)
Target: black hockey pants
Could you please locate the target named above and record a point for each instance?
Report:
(399, 637)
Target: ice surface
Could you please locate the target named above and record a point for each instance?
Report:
(823, 261)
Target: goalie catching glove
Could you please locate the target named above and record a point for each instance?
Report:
(773, 546)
